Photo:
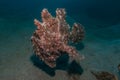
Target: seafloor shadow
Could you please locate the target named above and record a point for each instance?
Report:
(72, 68)
(41, 65)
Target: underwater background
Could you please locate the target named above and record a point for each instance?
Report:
(101, 45)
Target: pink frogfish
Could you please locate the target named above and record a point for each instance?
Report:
(52, 37)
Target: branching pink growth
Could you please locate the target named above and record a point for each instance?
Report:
(52, 35)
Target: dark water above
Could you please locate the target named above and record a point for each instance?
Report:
(101, 46)
(103, 10)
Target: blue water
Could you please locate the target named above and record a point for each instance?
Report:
(101, 45)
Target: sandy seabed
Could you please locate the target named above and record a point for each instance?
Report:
(101, 48)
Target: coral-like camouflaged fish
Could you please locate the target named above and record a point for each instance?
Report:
(52, 35)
